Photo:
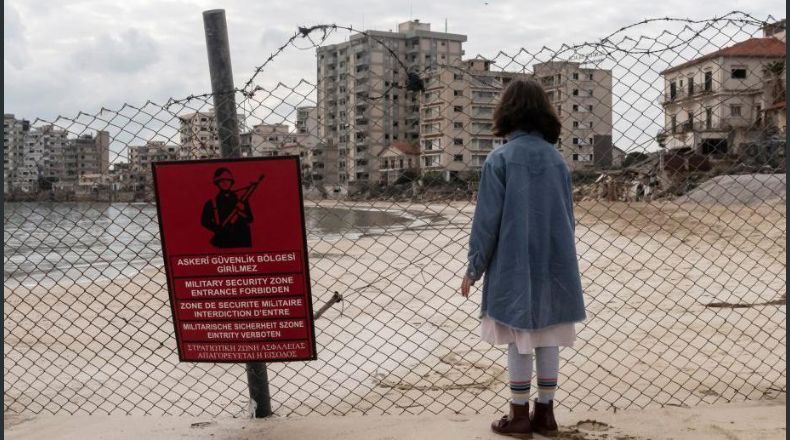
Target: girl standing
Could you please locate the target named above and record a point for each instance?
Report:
(523, 240)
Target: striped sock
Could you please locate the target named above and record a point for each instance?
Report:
(520, 369)
(548, 365)
(546, 389)
(519, 392)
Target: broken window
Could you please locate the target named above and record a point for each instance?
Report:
(714, 146)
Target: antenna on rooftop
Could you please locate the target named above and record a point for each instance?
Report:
(445, 25)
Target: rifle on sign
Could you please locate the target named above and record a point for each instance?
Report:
(248, 190)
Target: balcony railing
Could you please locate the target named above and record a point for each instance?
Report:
(477, 129)
(483, 98)
(722, 124)
(667, 97)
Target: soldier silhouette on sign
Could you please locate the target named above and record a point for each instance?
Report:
(227, 215)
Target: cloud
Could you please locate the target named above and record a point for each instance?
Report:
(14, 41)
(273, 38)
(129, 52)
(82, 55)
(12, 23)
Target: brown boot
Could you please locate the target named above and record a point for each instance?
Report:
(542, 419)
(516, 424)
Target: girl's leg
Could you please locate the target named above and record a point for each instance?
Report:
(548, 365)
(517, 422)
(520, 369)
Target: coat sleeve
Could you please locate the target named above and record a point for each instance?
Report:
(569, 201)
(488, 213)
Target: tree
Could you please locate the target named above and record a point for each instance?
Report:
(433, 179)
(407, 176)
(634, 157)
(775, 89)
(661, 138)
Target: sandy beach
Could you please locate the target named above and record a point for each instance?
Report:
(685, 307)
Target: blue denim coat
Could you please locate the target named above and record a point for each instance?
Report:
(523, 236)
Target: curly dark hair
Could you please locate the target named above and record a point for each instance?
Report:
(524, 105)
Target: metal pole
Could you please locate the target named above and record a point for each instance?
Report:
(222, 88)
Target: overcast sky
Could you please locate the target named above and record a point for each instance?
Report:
(62, 57)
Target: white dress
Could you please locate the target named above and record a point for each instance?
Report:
(497, 333)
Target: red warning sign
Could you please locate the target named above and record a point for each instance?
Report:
(233, 238)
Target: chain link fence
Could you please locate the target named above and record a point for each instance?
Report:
(675, 133)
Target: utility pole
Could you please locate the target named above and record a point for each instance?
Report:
(224, 92)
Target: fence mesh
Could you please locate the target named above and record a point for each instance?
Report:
(674, 130)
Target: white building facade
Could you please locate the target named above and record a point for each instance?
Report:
(716, 103)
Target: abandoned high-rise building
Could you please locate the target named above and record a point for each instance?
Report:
(14, 177)
(457, 110)
(363, 102)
